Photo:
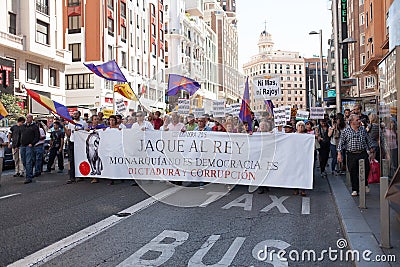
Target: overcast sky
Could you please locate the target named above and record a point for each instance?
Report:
(289, 22)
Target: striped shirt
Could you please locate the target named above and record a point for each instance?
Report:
(354, 141)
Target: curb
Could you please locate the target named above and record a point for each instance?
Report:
(356, 230)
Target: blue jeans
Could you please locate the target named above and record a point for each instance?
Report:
(39, 150)
(27, 157)
(334, 157)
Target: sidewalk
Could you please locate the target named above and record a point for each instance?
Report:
(362, 226)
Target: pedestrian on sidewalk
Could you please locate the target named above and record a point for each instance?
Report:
(29, 137)
(355, 141)
(56, 148)
(3, 143)
(14, 136)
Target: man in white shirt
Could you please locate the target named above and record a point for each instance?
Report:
(3, 143)
(70, 132)
(175, 125)
(141, 124)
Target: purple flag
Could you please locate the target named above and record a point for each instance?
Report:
(177, 82)
(109, 71)
(270, 106)
(245, 111)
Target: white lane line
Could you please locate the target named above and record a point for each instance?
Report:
(12, 195)
(46, 254)
(305, 205)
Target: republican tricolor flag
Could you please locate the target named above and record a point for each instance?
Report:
(3, 111)
(51, 105)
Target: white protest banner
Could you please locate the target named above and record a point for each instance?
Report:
(288, 111)
(218, 109)
(279, 116)
(198, 112)
(317, 113)
(267, 87)
(120, 106)
(302, 115)
(216, 157)
(235, 109)
(183, 106)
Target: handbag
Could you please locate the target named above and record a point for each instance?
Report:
(374, 175)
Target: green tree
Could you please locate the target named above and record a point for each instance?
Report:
(10, 102)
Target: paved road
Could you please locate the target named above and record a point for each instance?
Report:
(77, 225)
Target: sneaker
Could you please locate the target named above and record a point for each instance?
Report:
(94, 181)
(70, 181)
(28, 181)
(354, 194)
(201, 186)
(21, 175)
(16, 175)
(367, 189)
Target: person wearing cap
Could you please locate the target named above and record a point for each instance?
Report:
(218, 127)
(29, 137)
(191, 124)
(288, 128)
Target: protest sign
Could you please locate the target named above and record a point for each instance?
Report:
(317, 113)
(302, 115)
(267, 87)
(218, 109)
(183, 106)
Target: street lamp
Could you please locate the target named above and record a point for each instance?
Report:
(320, 62)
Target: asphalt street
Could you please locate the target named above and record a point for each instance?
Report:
(54, 224)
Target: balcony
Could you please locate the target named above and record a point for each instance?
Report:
(194, 7)
(11, 40)
(42, 8)
(372, 64)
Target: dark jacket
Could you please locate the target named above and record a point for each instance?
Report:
(16, 135)
(30, 134)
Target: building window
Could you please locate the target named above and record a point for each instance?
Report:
(363, 59)
(362, 19)
(79, 81)
(289, 99)
(161, 17)
(138, 65)
(110, 4)
(154, 50)
(123, 9)
(362, 39)
(110, 53)
(130, 17)
(153, 10)
(53, 77)
(76, 52)
(110, 26)
(42, 32)
(33, 73)
(74, 2)
(42, 6)
(161, 35)
(123, 34)
(123, 59)
(74, 24)
(288, 78)
(153, 30)
(13, 23)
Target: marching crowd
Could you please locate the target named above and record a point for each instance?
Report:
(345, 137)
